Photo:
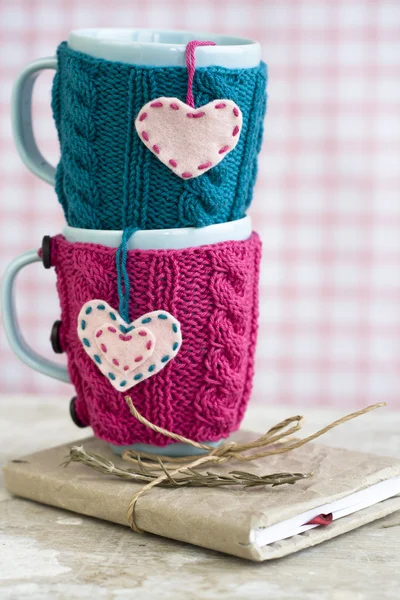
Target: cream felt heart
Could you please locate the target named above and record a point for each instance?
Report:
(124, 351)
(189, 141)
(128, 353)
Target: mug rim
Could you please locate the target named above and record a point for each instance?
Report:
(164, 239)
(229, 51)
(241, 41)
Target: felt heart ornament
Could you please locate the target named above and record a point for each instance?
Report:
(125, 351)
(128, 353)
(189, 141)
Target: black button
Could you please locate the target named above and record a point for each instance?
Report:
(46, 251)
(55, 337)
(73, 414)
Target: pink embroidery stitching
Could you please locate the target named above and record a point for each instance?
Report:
(125, 338)
(235, 130)
(187, 175)
(223, 149)
(156, 104)
(205, 165)
(145, 136)
(220, 105)
(143, 116)
(236, 111)
(196, 115)
(156, 149)
(173, 162)
(174, 106)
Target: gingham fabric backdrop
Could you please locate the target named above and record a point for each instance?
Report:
(327, 202)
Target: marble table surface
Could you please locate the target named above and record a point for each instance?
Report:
(50, 553)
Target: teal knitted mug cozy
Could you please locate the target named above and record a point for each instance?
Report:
(107, 179)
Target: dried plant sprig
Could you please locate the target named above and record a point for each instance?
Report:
(188, 478)
(277, 440)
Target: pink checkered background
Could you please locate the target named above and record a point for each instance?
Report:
(327, 202)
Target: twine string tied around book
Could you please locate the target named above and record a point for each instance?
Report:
(280, 437)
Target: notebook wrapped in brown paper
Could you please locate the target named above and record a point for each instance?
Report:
(258, 523)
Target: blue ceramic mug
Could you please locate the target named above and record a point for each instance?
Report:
(171, 240)
(106, 177)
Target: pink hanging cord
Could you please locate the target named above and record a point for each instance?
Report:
(191, 67)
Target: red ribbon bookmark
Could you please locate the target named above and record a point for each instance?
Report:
(321, 520)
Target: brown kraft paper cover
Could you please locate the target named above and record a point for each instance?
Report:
(219, 519)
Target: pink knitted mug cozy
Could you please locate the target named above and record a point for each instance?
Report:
(212, 291)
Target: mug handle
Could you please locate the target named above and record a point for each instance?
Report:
(11, 325)
(21, 116)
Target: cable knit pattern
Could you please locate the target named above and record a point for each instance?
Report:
(78, 186)
(107, 179)
(213, 291)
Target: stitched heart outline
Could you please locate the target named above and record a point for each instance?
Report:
(124, 352)
(189, 141)
(128, 353)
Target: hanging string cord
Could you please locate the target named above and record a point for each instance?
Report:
(122, 252)
(124, 286)
(191, 67)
